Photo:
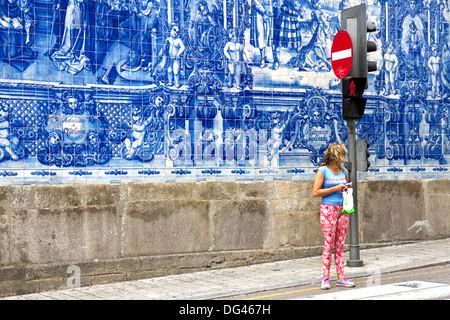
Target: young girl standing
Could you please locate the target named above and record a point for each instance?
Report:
(329, 182)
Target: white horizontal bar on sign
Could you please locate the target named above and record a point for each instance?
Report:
(347, 53)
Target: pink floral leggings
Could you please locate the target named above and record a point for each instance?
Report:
(334, 226)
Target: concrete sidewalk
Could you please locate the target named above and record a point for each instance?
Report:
(255, 278)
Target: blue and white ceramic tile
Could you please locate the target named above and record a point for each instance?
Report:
(201, 90)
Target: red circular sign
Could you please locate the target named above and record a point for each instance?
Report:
(341, 54)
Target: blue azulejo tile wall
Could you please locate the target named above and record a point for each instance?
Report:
(198, 90)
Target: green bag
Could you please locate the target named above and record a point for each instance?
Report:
(348, 201)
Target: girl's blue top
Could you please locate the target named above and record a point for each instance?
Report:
(330, 181)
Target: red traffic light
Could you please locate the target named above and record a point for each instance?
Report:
(353, 87)
(353, 104)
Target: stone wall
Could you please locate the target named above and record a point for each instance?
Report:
(117, 232)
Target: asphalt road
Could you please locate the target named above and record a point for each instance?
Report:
(438, 274)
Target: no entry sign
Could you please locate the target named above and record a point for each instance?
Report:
(341, 54)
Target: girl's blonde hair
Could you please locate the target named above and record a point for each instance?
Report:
(333, 155)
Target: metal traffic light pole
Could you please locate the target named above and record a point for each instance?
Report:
(349, 22)
(353, 20)
(353, 83)
(354, 260)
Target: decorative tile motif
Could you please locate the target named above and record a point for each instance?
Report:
(195, 90)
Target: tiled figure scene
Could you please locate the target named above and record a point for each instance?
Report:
(211, 90)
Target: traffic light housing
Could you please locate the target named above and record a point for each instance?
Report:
(362, 155)
(353, 104)
(353, 20)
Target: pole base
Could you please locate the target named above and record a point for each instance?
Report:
(355, 263)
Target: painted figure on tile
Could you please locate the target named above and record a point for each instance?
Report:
(204, 49)
(50, 150)
(234, 52)
(147, 131)
(317, 53)
(136, 140)
(75, 120)
(7, 142)
(73, 103)
(414, 148)
(414, 42)
(72, 134)
(17, 32)
(286, 33)
(71, 56)
(122, 16)
(102, 33)
(413, 38)
(128, 20)
(279, 123)
(141, 46)
(343, 4)
(390, 64)
(435, 67)
(413, 7)
(171, 54)
(200, 24)
(434, 117)
(54, 142)
(57, 27)
(314, 56)
(395, 146)
(261, 27)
